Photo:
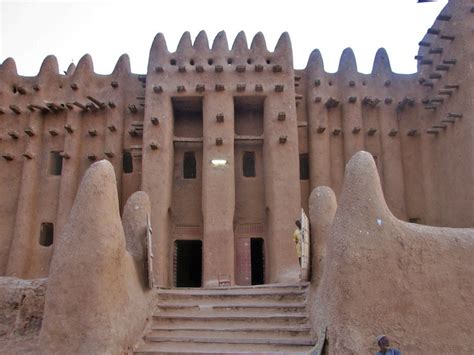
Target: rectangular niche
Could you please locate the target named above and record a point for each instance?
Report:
(187, 114)
(248, 113)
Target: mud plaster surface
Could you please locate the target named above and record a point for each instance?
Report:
(21, 314)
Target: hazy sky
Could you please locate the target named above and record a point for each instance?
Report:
(31, 30)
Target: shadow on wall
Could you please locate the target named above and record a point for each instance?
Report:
(375, 274)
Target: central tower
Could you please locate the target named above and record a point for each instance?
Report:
(220, 161)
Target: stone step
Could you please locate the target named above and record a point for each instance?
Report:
(236, 296)
(213, 304)
(236, 334)
(214, 315)
(209, 292)
(219, 311)
(196, 322)
(232, 340)
(267, 319)
(282, 286)
(201, 348)
(234, 326)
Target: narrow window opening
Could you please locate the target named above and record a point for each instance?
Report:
(191, 62)
(257, 260)
(173, 61)
(248, 164)
(210, 61)
(229, 61)
(127, 162)
(55, 163)
(249, 61)
(189, 165)
(304, 166)
(188, 263)
(46, 234)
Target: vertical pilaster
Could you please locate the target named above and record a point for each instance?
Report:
(351, 110)
(393, 177)
(157, 164)
(318, 125)
(23, 238)
(282, 187)
(218, 189)
(71, 171)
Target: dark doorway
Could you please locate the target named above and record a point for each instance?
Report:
(188, 263)
(258, 261)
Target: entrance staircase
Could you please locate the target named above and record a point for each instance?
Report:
(257, 319)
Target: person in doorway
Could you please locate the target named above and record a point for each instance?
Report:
(297, 239)
(384, 345)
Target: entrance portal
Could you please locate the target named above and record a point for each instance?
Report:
(188, 263)
(258, 261)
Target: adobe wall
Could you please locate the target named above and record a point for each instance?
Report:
(447, 81)
(381, 275)
(83, 116)
(418, 127)
(21, 314)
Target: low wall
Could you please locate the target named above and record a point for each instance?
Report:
(97, 300)
(384, 276)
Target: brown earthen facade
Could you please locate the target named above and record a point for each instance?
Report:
(229, 143)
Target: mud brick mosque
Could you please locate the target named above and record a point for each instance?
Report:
(153, 213)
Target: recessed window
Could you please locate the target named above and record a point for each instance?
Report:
(127, 162)
(229, 61)
(210, 61)
(248, 164)
(191, 62)
(46, 234)
(189, 165)
(269, 60)
(173, 61)
(249, 61)
(304, 166)
(55, 163)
